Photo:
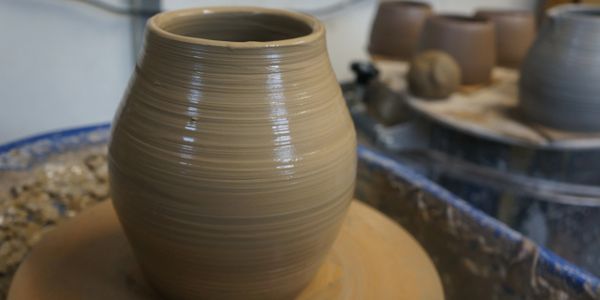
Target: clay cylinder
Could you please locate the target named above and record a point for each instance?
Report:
(469, 40)
(559, 77)
(397, 28)
(515, 32)
(233, 155)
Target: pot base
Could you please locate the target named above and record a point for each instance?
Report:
(90, 258)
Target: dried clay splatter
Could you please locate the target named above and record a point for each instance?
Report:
(33, 202)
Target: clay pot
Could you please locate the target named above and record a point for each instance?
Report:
(397, 28)
(233, 159)
(559, 78)
(515, 32)
(469, 40)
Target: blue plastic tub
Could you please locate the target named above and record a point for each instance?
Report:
(477, 256)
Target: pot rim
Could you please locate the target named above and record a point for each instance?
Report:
(409, 3)
(573, 12)
(460, 20)
(156, 25)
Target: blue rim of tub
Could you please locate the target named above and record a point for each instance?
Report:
(55, 136)
(549, 262)
(55, 141)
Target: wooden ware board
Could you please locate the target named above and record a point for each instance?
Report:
(89, 258)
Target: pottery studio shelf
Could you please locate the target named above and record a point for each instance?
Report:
(489, 112)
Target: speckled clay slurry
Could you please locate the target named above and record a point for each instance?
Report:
(233, 158)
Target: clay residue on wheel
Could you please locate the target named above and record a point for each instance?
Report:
(33, 202)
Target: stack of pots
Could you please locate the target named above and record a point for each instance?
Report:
(558, 72)
(477, 43)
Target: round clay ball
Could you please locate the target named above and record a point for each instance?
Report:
(433, 74)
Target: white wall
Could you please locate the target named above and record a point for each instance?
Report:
(62, 64)
(65, 64)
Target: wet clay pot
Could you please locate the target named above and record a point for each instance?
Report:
(232, 160)
(559, 85)
(515, 32)
(469, 40)
(397, 28)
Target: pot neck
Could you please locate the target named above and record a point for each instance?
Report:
(575, 15)
(232, 37)
(170, 62)
(175, 64)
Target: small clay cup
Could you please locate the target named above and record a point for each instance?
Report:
(397, 28)
(469, 40)
(515, 32)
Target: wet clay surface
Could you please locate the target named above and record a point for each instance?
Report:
(233, 154)
(89, 258)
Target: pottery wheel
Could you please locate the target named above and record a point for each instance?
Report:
(89, 258)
